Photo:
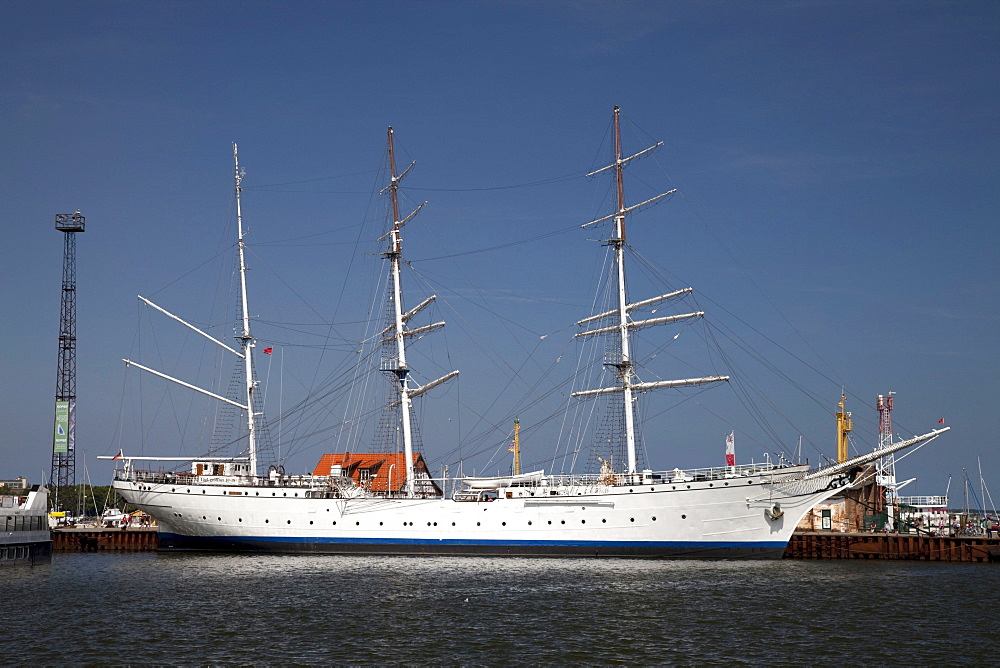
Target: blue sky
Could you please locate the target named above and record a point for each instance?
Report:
(836, 165)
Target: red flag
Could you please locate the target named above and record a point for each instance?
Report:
(118, 456)
(941, 421)
(268, 351)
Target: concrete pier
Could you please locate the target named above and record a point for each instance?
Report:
(900, 547)
(81, 539)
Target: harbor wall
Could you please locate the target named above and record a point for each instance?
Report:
(899, 547)
(803, 545)
(104, 540)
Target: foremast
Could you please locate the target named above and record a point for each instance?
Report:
(625, 369)
(398, 326)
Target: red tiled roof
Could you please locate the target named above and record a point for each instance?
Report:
(379, 466)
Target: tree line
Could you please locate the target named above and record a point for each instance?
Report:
(86, 501)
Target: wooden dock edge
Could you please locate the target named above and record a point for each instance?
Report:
(899, 547)
(104, 540)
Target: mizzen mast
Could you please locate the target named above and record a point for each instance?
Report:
(246, 338)
(624, 366)
(398, 327)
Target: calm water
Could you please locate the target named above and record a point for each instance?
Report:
(208, 609)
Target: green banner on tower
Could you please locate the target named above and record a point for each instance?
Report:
(61, 436)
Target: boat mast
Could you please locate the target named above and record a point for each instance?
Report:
(394, 253)
(517, 447)
(398, 327)
(625, 368)
(246, 339)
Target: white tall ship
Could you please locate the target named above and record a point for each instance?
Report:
(744, 511)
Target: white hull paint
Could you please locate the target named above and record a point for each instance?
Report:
(721, 517)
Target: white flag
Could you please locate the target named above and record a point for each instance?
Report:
(731, 449)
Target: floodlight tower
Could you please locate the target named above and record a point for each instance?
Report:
(887, 465)
(63, 446)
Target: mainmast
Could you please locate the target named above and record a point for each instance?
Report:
(400, 333)
(624, 366)
(246, 339)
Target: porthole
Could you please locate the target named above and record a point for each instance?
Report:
(604, 521)
(711, 484)
(267, 521)
(296, 493)
(478, 523)
(241, 519)
(435, 524)
(562, 521)
(428, 524)
(749, 482)
(630, 491)
(583, 521)
(684, 517)
(529, 523)
(220, 519)
(288, 522)
(284, 493)
(188, 490)
(550, 521)
(256, 493)
(453, 524)
(357, 524)
(203, 517)
(726, 484)
(654, 518)
(380, 523)
(172, 489)
(273, 494)
(310, 522)
(335, 523)
(503, 524)
(689, 486)
(202, 491)
(631, 519)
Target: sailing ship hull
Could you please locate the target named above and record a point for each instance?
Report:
(747, 517)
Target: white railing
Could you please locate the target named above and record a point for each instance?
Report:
(933, 501)
(320, 483)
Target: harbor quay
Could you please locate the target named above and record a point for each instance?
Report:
(98, 539)
(803, 545)
(892, 546)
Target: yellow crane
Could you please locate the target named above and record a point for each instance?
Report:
(844, 426)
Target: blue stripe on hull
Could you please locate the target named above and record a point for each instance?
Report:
(541, 548)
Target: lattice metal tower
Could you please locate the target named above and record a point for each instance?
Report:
(63, 446)
(887, 465)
